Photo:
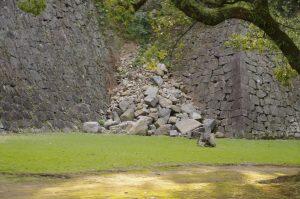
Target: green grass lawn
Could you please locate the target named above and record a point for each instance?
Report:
(76, 152)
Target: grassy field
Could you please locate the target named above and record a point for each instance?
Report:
(76, 152)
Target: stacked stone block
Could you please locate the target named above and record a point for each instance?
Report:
(237, 88)
(54, 68)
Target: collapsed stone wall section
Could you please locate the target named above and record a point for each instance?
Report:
(237, 88)
(54, 68)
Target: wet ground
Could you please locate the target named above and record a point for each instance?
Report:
(168, 182)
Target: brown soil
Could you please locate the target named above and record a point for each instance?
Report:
(181, 182)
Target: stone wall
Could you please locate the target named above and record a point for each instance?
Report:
(237, 88)
(55, 69)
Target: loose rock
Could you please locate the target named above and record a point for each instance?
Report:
(128, 115)
(140, 127)
(91, 127)
(157, 80)
(187, 125)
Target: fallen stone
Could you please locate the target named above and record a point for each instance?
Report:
(163, 130)
(209, 125)
(212, 140)
(140, 112)
(1, 125)
(123, 127)
(153, 115)
(151, 91)
(153, 110)
(140, 127)
(124, 104)
(187, 125)
(116, 117)
(164, 102)
(164, 113)
(91, 127)
(188, 108)
(152, 127)
(195, 116)
(151, 100)
(102, 130)
(182, 116)
(207, 140)
(128, 115)
(109, 123)
(157, 80)
(174, 133)
(196, 133)
(117, 110)
(175, 108)
(297, 135)
(162, 67)
(219, 135)
(160, 122)
(172, 120)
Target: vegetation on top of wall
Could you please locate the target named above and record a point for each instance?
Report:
(35, 7)
(256, 40)
(156, 29)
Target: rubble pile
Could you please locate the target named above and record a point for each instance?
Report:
(152, 102)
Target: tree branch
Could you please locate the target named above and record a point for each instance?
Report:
(254, 11)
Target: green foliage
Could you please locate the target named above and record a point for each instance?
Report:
(79, 152)
(156, 29)
(35, 7)
(167, 23)
(256, 40)
(121, 16)
(284, 74)
(286, 8)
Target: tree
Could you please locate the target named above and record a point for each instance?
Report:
(213, 12)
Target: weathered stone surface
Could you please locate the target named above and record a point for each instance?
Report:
(124, 104)
(164, 102)
(128, 115)
(219, 135)
(1, 125)
(188, 108)
(175, 108)
(237, 86)
(140, 127)
(142, 112)
(161, 121)
(157, 80)
(116, 117)
(195, 116)
(152, 91)
(174, 133)
(91, 127)
(109, 123)
(297, 135)
(212, 141)
(123, 127)
(164, 113)
(162, 67)
(151, 100)
(55, 68)
(209, 125)
(207, 140)
(172, 120)
(187, 125)
(163, 130)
